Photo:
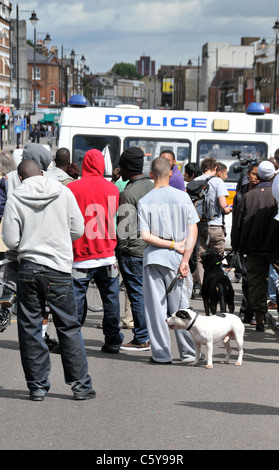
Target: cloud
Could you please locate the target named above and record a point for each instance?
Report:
(107, 32)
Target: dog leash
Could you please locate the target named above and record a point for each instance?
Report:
(172, 284)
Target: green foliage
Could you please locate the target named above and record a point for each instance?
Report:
(125, 70)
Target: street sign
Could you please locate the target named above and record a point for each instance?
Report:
(18, 129)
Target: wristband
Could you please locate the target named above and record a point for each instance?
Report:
(172, 245)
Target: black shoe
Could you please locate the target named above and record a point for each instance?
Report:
(37, 395)
(247, 318)
(85, 396)
(8, 298)
(260, 327)
(109, 350)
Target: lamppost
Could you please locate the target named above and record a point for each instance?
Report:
(68, 67)
(276, 30)
(34, 20)
(47, 39)
(72, 56)
(80, 70)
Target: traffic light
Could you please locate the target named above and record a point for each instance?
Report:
(3, 121)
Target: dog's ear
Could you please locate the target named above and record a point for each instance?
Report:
(183, 314)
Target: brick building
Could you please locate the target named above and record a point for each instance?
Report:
(47, 81)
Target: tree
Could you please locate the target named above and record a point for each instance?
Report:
(125, 70)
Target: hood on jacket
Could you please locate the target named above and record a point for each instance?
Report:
(58, 174)
(37, 152)
(93, 163)
(38, 191)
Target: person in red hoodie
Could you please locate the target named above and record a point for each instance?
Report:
(94, 256)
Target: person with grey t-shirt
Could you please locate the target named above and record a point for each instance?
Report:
(167, 223)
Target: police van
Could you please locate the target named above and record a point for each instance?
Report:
(232, 138)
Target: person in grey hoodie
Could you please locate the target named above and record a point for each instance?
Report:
(38, 153)
(59, 171)
(31, 151)
(41, 219)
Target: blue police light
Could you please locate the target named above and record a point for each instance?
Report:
(255, 108)
(78, 101)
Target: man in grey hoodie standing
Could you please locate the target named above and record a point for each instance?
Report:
(38, 153)
(62, 162)
(41, 219)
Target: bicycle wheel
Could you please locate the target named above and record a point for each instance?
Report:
(94, 301)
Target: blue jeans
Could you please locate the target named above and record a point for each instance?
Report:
(131, 268)
(36, 286)
(107, 281)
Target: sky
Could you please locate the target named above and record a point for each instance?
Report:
(170, 32)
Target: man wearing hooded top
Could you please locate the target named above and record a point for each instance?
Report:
(130, 246)
(255, 232)
(39, 154)
(94, 256)
(41, 219)
(62, 162)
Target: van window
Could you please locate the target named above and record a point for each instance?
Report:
(153, 147)
(245, 153)
(108, 145)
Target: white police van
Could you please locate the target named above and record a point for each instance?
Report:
(192, 135)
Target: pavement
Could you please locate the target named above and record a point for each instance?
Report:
(140, 406)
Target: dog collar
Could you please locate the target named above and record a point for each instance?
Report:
(193, 322)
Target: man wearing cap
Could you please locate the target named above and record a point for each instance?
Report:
(255, 232)
(130, 246)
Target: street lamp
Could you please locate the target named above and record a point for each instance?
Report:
(80, 73)
(72, 56)
(47, 39)
(34, 20)
(276, 30)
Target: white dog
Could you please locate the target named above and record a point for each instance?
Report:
(209, 330)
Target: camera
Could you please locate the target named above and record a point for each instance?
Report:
(244, 162)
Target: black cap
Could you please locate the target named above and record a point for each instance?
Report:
(131, 160)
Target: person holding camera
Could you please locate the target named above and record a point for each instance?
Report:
(255, 233)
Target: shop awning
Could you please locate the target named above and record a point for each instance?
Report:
(48, 117)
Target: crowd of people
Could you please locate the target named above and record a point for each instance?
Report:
(62, 231)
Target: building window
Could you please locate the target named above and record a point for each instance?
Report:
(52, 96)
(38, 73)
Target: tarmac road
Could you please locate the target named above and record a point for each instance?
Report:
(143, 406)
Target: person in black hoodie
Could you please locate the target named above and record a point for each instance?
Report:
(255, 232)
(247, 181)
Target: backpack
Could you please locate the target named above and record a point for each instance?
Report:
(198, 191)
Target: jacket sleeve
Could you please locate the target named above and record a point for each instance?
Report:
(77, 220)
(11, 229)
(237, 225)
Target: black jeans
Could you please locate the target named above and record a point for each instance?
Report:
(36, 286)
(257, 275)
